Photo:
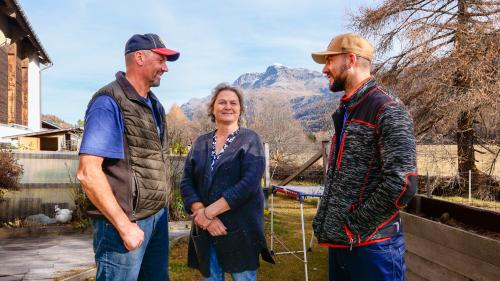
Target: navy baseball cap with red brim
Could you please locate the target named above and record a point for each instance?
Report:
(150, 41)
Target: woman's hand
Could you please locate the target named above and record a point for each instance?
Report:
(201, 219)
(217, 228)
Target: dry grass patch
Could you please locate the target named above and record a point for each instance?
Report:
(483, 204)
(288, 229)
(442, 160)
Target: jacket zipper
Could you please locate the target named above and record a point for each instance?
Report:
(161, 145)
(343, 134)
(341, 151)
(137, 197)
(349, 234)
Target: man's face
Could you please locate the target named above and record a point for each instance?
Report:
(335, 70)
(153, 68)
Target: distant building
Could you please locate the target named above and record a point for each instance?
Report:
(22, 57)
(51, 138)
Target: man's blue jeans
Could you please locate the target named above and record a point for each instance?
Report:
(216, 273)
(148, 262)
(380, 261)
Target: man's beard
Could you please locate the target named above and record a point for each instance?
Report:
(155, 83)
(339, 83)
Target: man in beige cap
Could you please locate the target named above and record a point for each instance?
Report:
(371, 169)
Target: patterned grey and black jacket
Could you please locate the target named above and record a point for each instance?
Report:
(372, 170)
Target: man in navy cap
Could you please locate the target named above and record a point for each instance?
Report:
(123, 168)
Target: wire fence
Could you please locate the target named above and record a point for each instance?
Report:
(439, 175)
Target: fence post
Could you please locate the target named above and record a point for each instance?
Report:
(267, 177)
(427, 185)
(470, 186)
(325, 149)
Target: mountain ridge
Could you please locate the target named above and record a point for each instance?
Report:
(305, 91)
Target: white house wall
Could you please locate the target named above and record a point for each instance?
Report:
(34, 95)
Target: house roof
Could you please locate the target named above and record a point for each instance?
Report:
(50, 125)
(48, 133)
(16, 13)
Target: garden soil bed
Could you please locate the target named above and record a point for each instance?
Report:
(448, 241)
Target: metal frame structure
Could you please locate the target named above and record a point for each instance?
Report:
(299, 192)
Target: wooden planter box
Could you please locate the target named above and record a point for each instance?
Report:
(436, 251)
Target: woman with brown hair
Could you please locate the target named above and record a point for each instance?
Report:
(221, 189)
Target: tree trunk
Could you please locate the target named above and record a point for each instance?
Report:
(483, 185)
(465, 131)
(465, 149)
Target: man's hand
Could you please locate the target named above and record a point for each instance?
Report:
(97, 188)
(132, 236)
(217, 228)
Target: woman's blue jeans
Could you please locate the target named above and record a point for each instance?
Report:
(216, 273)
(148, 262)
(380, 261)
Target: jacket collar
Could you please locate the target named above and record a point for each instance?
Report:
(360, 93)
(132, 94)
(129, 90)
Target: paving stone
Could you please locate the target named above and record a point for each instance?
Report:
(12, 278)
(47, 257)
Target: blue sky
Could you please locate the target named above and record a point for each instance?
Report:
(218, 41)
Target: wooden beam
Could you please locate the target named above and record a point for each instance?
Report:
(24, 91)
(468, 243)
(412, 276)
(308, 164)
(429, 270)
(8, 11)
(11, 82)
(3, 85)
(444, 256)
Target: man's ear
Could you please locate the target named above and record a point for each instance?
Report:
(352, 59)
(139, 58)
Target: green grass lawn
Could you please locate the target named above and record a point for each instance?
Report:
(288, 229)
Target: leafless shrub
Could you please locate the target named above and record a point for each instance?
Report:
(10, 172)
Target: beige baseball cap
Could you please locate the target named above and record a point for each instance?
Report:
(343, 44)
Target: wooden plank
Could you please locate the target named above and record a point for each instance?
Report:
(3, 85)
(11, 83)
(451, 259)
(412, 276)
(469, 215)
(428, 270)
(19, 92)
(308, 164)
(470, 244)
(24, 91)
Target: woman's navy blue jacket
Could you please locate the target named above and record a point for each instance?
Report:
(236, 177)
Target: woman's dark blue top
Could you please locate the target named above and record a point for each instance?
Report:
(214, 155)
